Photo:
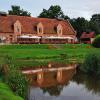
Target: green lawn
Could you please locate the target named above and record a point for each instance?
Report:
(44, 51)
(7, 94)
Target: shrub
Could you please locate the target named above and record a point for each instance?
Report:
(96, 42)
(17, 82)
(91, 64)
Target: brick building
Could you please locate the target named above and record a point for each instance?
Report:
(29, 30)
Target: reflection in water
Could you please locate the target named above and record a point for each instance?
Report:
(54, 85)
(91, 83)
(45, 79)
(61, 84)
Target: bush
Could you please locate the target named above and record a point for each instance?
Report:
(91, 64)
(96, 42)
(17, 82)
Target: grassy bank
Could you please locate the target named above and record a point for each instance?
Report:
(22, 54)
(6, 93)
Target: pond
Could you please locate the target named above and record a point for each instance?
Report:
(63, 82)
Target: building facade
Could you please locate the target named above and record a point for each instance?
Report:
(87, 37)
(29, 30)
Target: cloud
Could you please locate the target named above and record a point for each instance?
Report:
(72, 8)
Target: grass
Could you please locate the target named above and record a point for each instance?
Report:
(6, 93)
(31, 54)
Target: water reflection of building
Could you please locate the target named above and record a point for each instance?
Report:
(51, 76)
(50, 82)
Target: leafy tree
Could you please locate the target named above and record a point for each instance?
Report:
(96, 18)
(94, 27)
(53, 12)
(80, 25)
(95, 23)
(17, 11)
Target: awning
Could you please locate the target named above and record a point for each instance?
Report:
(53, 37)
(29, 37)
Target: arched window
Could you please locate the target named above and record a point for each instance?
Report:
(17, 27)
(59, 30)
(40, 28)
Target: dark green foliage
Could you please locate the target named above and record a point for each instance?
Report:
(95, 23)
(17, 11)
(96, 18)
(17, 82)
(53, 12)
(96, 42)
(80, 25)
(91, 64)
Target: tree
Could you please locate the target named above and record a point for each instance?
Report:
(95, 23)
(53, 12)
(17, 11)
(96, 18)
(80, 25)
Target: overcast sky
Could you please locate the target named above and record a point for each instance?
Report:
(72, 8)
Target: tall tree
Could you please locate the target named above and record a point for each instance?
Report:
(95, 23)
(53, 12)
(17, 11)
(80, 25)
(96, 18)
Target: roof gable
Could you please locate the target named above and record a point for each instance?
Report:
(87, 35)
(28, 24)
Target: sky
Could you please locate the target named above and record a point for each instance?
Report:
(71, 8)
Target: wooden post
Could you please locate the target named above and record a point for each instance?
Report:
(49, 65)
(40, 77)
(59, 75)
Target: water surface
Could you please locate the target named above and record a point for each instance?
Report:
(63, 85)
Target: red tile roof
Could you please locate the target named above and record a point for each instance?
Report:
(87, 35)
(29, 23)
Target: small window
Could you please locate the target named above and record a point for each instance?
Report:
(18, 30)
(59, 31)
(40, 30)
